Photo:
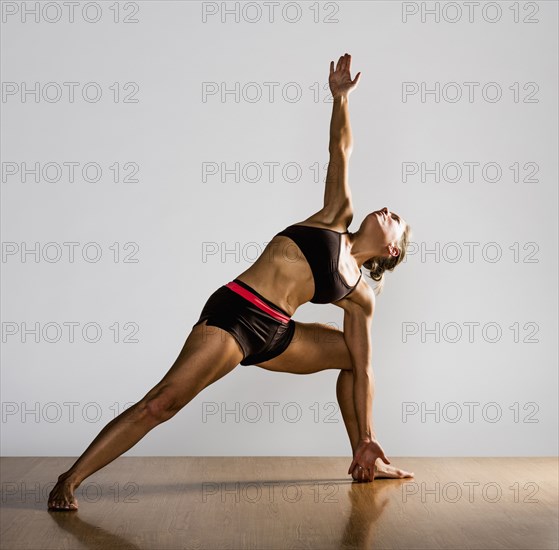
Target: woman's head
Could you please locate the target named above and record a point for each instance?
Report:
(391, 235)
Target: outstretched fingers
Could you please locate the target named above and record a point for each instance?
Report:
(339, 64)
(343, 64)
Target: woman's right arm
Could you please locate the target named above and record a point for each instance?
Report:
(358, 316)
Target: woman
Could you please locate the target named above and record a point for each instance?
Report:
(250, 318)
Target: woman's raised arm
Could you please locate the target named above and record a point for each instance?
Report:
(337, 194)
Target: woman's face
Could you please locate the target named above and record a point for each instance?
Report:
(386, 228)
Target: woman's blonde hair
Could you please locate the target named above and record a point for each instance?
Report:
(379, 264)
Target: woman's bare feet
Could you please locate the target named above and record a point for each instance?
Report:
(62, 495)
(385, 470)
(382, 470)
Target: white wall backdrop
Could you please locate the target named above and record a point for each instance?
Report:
(145, 133)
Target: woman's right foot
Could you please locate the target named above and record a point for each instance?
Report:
(62, 496)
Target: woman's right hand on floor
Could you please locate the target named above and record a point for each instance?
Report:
(362, 467)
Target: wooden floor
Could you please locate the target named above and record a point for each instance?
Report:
(284, 503)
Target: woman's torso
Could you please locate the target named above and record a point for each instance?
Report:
(283, 275)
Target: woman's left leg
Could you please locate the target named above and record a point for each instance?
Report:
(316, 347)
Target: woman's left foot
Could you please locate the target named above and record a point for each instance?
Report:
(62, 496)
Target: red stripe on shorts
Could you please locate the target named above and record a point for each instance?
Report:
(257, 302)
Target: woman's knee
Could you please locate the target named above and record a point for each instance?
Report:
(160, 405)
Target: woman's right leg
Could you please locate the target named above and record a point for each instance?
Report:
(208, 354)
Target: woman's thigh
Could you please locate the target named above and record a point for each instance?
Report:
(314, 347)
(208, 354)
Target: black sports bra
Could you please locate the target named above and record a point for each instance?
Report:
(321, 248)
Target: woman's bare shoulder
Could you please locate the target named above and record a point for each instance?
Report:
(322, 221)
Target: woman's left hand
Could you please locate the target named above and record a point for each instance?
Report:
(364, 460)
(340, 79)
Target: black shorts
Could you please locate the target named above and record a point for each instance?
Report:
(262, 329)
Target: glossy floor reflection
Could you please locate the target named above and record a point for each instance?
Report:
(286, 502)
